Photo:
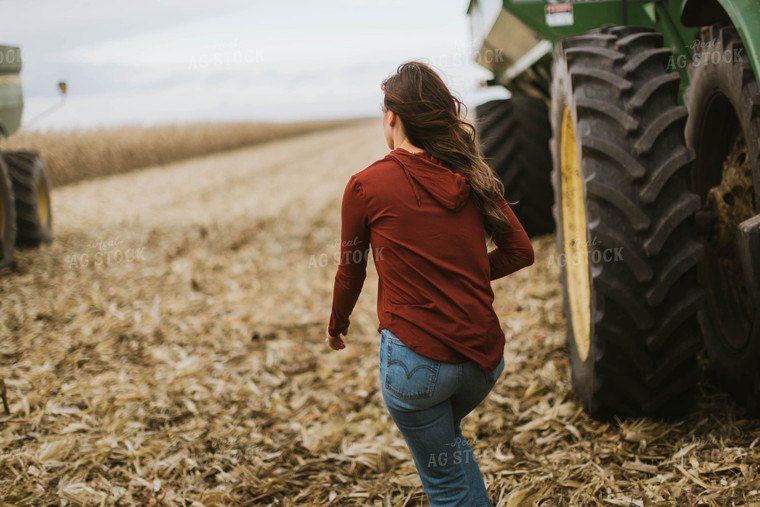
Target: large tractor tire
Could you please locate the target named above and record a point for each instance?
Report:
(724, 130)
(32, 195)
(7, 217)
(625, 224)
(514, 139)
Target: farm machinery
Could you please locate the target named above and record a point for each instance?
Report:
(633, 127)
(25, 212)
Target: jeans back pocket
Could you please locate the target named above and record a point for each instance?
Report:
(408, 375)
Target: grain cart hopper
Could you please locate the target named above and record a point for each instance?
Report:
(653, 125)
(25, 214)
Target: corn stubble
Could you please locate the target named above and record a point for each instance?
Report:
(200, 376)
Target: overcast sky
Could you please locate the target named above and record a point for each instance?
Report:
(176, 61)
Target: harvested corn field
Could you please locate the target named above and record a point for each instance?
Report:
(76, 155)
(168, 349)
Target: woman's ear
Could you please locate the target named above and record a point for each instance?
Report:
(392, 118)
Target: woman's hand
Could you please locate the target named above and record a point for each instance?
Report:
(335, 342)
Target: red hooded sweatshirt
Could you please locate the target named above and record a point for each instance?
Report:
(428, 244)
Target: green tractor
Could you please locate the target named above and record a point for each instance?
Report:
(651, 113)
(25, 213)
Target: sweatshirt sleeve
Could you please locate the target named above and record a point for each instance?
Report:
(352, 266)
(513, 249)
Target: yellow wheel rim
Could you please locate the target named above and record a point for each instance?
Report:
(43, 206)
(575, 245)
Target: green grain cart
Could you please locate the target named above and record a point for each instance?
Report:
(651, 113)
(25, 214)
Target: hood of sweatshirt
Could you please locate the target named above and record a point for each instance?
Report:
(451, 190)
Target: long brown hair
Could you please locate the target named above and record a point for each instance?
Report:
(433, 120)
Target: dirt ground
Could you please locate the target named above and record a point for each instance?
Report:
(168, 349)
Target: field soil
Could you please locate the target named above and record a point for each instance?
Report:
(168, 349)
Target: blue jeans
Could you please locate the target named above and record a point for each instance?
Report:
(427, 400)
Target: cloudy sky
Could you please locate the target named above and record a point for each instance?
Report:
(176, 61)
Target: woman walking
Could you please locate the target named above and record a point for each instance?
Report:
(425, 210)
